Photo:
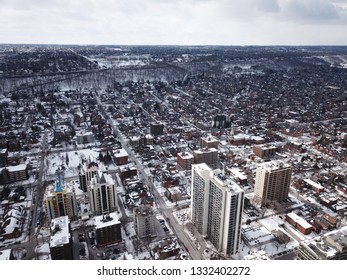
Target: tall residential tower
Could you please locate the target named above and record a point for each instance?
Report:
(102, 194)
(60, 200)
(217, 205)
(272, 182)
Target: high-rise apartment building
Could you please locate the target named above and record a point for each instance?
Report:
(272, 182)
(102, 194)
(107, 229)
(144, 221)
(217, 205)
(87, 171)
(60, 200)
(60, 242)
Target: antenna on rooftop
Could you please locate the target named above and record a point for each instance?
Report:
(223, 168)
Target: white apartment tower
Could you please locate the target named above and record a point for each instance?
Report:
(144, 221)
(217, 205)
(88, 170)
(272, 182)
(102, 194)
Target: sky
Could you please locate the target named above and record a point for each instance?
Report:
(174, 22)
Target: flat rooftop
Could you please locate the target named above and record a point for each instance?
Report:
(59, 232)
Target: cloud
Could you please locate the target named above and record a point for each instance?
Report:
(248, 8)
(310, 10)
(173, 21)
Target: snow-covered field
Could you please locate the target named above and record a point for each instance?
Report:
(58, 161)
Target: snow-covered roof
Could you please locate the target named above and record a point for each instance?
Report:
(107, 220)
(60, 231)
(257, 138)
(186, 155)
(256, 235)
(120, 153)
(257, 255)
(314, 184)
(274, 165)
(5, 254)
(237, 173)
(202, 151)
(209, 139)
(20, 167)
(10, 225)
(299, 220)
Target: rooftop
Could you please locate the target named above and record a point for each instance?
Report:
(299, 220)
(274, 165)
(107, 220)
(59, 232)
(143, 210)
(120, 153)
(5, 254)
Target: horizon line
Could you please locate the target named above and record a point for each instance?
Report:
(179, 45)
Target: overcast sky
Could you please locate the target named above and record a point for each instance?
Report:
(174, 22)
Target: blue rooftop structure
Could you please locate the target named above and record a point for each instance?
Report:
(59, 186)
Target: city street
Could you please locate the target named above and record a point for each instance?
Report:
(178, 229)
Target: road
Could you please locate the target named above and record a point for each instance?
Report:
(31, 239)
(164, 210)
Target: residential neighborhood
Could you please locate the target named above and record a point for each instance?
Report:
(173, 153)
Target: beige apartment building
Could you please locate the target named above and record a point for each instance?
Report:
(272, 182)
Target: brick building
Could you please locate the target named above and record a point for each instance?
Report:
(107, 229)
(185, 160)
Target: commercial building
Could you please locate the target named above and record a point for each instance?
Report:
(174, 194)
(60, 243)
(217, 205)
(272, 182)
(120, 156)
(144, 221)
(60, 200)
(265, 150)
(127, 171)
(107, 229)
(331, 246)
(299, 223)
(102, 194)
(318, 188)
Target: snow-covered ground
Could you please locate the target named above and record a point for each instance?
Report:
(43, 252)
(69, 162)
